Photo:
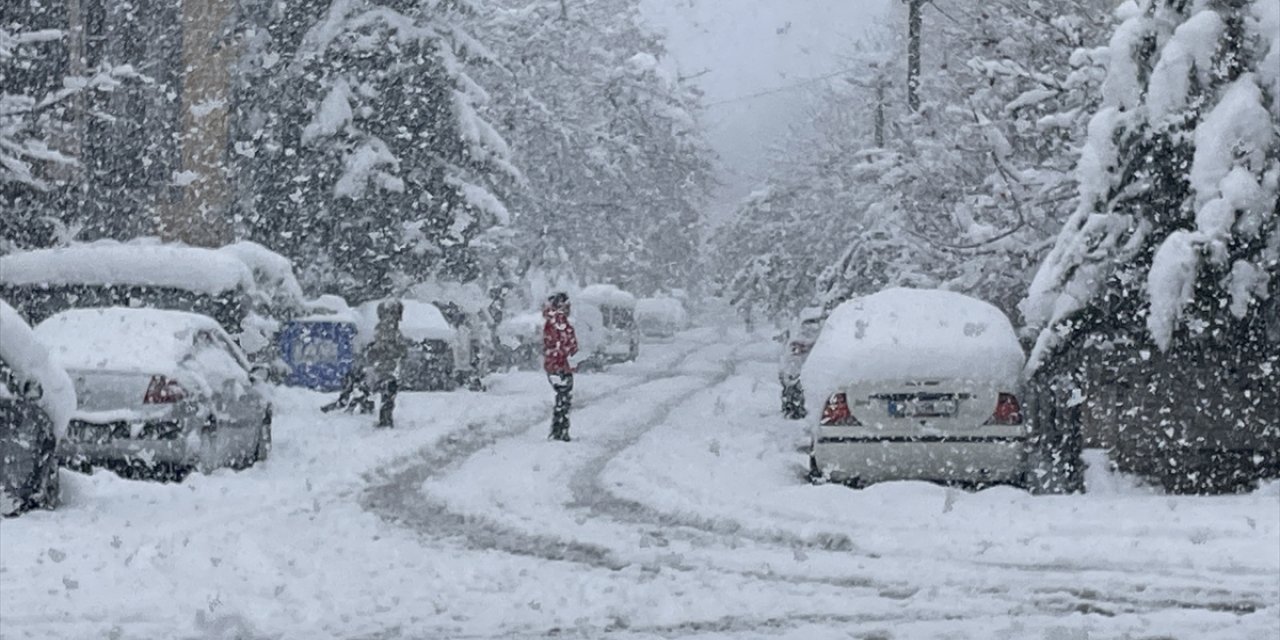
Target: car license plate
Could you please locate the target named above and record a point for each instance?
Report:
(90, 433)
(921, 408)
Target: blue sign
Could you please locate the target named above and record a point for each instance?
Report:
(319, 353)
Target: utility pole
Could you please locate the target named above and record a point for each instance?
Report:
(879, 109)
(913, 54)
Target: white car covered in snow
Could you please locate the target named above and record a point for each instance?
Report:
(36, 403)
(916, 384)
(605, 319)
(159, 391)
(433, 346)
(660, 317)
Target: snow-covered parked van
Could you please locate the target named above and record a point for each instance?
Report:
(660, 317)
(429, 362)
(916, 384)
(142, 273)
(616, 338)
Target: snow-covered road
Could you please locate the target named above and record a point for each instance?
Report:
(679, 510)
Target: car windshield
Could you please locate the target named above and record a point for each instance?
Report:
(618, 317)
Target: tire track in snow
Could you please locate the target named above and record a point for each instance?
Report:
(397, 497)
(591, 494)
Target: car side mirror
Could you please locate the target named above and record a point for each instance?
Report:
(32, 390)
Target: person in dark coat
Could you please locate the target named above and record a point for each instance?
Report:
(355, 394)
(384, 356)
(559, 343)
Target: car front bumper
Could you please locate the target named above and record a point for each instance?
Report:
(868, 459)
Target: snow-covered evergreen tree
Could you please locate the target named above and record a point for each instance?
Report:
(1176, 236)
(362, 149)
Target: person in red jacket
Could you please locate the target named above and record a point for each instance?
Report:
(559, 343)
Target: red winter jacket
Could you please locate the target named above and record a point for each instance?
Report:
(558, 341)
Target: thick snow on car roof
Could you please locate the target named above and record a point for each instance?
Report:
(421, 321)
(912, 334)
(605, 294)
(119, 339)
(665, 308)
(272, 272)
(30, 360)
(143, 264)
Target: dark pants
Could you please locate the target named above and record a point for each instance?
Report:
(563, 385)
(355, 394)
(389, 388)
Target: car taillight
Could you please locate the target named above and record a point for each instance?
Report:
(836, 412)
(163, 391)
(800, 348)
(1008, 411)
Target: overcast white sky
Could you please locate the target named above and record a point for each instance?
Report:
(753, 46)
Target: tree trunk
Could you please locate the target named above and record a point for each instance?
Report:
(913, 54)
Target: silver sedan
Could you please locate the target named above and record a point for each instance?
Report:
(158, 391)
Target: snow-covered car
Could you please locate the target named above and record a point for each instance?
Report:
(797, 341)
(429, 361)
(467, 308)
(520, 341)
(916, 384)
(142, 273)
(36, 403)
(617, 338)
(160, 391)
(660, 317)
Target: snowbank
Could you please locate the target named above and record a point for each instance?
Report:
(111, 263)
(605, 295)
(22, 350)
(151, 341)
(899, 334)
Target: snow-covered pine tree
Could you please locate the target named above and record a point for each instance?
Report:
(362, 149)
(1163, 284)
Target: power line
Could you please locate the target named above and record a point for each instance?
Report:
(782, 89)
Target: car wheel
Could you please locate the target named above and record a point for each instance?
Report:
(264, 439)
